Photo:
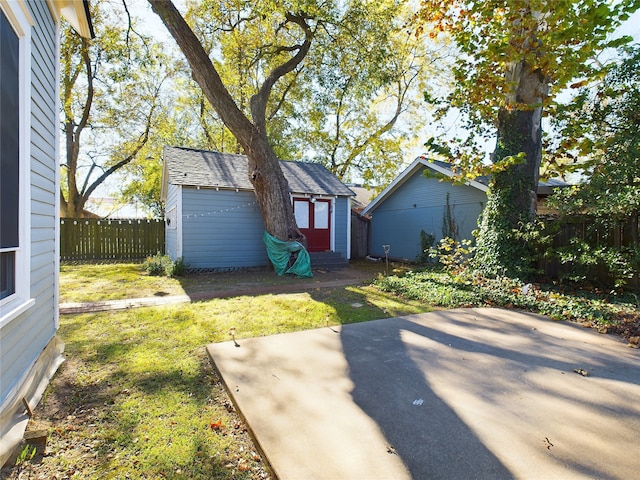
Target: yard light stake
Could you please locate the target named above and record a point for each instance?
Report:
(232, 332)
(330, 328)
(387, 249)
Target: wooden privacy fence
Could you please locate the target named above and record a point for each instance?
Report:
(616, 235)
(87, 239)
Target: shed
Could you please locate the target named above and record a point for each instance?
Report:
(213, 220)
(360, 223)
(416, 202)
(30, 352)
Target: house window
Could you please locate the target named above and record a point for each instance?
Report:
(9, 156)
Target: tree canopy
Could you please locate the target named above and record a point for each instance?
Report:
(515, 57)
(110, 88)
(365, 85)
(600, 127)
(557, 40)
(602, 123)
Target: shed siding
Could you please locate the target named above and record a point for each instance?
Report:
(171, 234)
(342, 216)
(24, 338)
(419, 204)
(222, 229)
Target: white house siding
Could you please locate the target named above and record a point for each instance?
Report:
(221, 229)
(171, 230)
(419, 204)
(24, 338)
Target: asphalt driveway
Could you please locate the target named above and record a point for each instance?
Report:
(466, 393)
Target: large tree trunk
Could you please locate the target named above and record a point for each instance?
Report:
(265, 174)
(70, 209)
(511, 203)
(272, 191)
(73, 205)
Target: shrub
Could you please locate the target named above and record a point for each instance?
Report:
(177, 268)
(453, 255)
(445, 289)
(611, 266)
(426, 243)
(163, 265)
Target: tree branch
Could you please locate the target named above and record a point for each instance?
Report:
(141, 143)
(288, 88)
(402, 91)
(259, 100)
(90, 91)
(336, 142)
(204, 73)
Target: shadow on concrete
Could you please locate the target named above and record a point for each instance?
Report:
(494, 394)
(430, 438)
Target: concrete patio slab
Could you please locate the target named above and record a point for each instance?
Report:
(467, 393)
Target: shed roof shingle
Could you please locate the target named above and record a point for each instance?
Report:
(204, 168)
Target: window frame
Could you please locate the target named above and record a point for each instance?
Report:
(19, 18)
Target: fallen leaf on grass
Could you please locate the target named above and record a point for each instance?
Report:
(216, 425)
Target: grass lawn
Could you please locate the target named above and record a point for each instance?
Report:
(137, 397)
(87, 282)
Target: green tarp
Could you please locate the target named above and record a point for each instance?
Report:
(280, 255)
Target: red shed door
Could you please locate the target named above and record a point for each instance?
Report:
(314, 220)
